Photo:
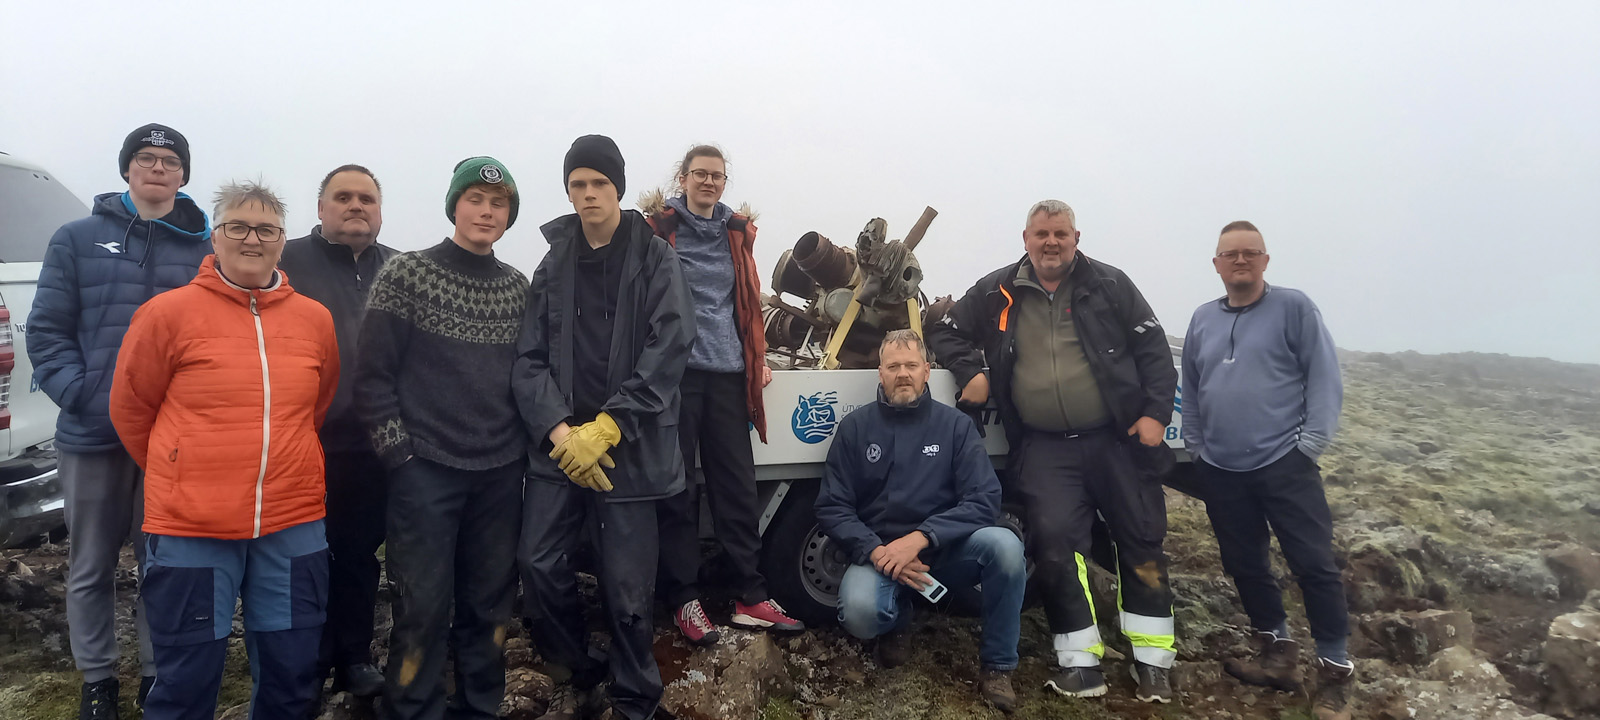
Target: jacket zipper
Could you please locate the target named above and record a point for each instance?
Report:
(266, 412)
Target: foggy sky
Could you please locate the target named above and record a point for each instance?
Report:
(1429, 173)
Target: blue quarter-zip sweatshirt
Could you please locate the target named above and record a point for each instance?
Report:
(1259, 380)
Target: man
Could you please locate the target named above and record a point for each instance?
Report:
(220, 389)
(909, 493)
(603, 348)
(97, 272)
(335, 265)
(1084, 380)
(1262, 396)
(433, 386)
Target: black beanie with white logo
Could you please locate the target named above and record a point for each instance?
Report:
(158, 136)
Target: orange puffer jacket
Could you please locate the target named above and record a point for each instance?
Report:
(218, 394)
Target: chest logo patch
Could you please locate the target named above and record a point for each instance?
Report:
(930, 450)
(874, 453)
(112, 247)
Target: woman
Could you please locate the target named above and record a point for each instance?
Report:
(721, 397)
(219, 390)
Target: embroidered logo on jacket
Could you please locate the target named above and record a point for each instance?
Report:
(930, 450)
(874, 453)
(115, 248)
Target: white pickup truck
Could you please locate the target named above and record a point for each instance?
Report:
(801, 565)
(32, 206)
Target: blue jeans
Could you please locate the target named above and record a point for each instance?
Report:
(870, 604)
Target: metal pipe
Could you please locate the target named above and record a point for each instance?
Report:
(825, 263)
(921, 228)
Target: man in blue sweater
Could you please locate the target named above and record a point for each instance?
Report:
(97, 272)
(910, 494)
(1261, 402)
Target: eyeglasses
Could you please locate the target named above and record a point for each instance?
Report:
(717, 178)
(148, 160)
(1232, 255)
(240, 231)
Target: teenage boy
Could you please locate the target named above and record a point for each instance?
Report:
(433, 385)
(97, 272)
(603, 349)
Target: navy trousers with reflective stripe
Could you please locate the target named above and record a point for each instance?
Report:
(190, 588)
(1062, 483)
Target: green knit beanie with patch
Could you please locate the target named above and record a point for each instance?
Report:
(481, 170)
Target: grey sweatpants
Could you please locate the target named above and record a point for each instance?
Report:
(105, 508)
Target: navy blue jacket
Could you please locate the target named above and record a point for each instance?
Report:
(97, 271)
(894, 470)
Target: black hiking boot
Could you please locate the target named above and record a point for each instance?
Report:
(99, 701)
(1155, 683)
(1276, 664)
(362, 680)
(1078, 682)
(995, 687)
(571, 703)
(1333, 689)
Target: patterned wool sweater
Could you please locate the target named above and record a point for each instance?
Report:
(437, 344)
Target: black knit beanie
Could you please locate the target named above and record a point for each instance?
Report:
(154, 135)
(598, 153)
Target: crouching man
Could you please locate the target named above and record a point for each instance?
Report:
(910, 494)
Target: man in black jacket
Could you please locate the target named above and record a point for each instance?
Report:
(909, 493)
(604, 344)
(335, 265)
(1084, 380)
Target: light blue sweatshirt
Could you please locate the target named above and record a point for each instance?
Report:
(1259, 381)
(707, 260)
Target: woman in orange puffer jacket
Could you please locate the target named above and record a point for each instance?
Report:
(219, 391)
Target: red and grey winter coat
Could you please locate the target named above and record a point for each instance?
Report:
(746, 294)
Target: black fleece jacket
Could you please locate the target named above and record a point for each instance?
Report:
(333, 275)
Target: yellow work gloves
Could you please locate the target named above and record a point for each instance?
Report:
(584, 452)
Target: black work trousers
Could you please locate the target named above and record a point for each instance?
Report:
(1287, 497)
(358, 498)
(452, 537)
(1062, 481)
(624, 536)
(715, 421)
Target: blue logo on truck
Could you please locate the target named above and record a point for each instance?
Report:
(815, 417)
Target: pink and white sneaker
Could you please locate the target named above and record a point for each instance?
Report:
(694, 624)
(764, 615)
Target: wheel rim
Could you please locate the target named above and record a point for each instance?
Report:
(822, 566)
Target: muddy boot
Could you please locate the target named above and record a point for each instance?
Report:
(1078, 682)
(893, 648)
(1333, 689)
(995, 687)
(571, 703)
(1276, 664)
(1155, 683)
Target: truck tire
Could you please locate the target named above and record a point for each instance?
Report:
(803, 566)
